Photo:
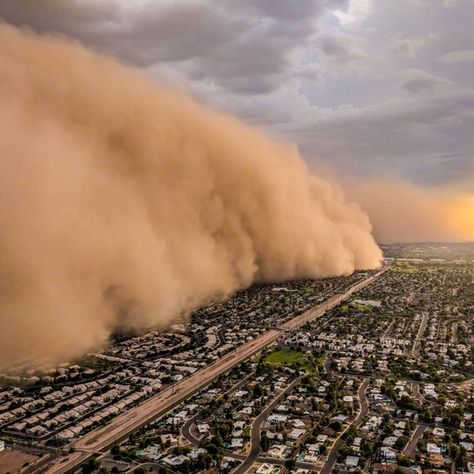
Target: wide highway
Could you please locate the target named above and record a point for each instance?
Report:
(122, 426)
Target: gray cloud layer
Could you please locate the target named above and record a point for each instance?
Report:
(304, 69)
(243, 47)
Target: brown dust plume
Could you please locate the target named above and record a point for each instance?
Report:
(403, 212)
(125, 204)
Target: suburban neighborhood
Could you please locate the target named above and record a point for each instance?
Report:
(380, 381)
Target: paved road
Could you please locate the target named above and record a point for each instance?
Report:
(331, 302)
(121, 427)
(128, 422)
(255, 447)
(188, 428)
(417, 393)
(409, 451)
(387, 331)
(40, 465)
(274, 461)
(416, 346)
(363, 410)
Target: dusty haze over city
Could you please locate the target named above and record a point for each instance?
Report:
(236, 236)
(131, 192)
(130, 204)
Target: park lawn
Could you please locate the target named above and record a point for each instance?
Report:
(289, 357)
(405, 268)
(361, 307)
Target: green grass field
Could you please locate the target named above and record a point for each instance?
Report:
(297, 359)
(405, 268)
(361, 307)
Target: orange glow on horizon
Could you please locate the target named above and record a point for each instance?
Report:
(462, 217)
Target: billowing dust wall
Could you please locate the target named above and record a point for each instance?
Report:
(123, 203)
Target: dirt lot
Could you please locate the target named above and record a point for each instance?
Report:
(12, 461)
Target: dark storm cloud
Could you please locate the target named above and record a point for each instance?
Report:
(160, 32)
(243, 47)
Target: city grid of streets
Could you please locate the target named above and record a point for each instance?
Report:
(355, 373)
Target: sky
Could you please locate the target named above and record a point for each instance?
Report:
(371, 88)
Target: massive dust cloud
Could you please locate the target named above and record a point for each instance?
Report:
(404, 212)
(125, 204)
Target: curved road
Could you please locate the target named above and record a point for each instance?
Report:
(256, 426)
(126, 423)
(187, 428)
(363, 410)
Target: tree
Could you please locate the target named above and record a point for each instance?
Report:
(335, 425)
(290, 464)
(212, 449)
(426, 415)
(454, 419)
(115, 450)
(344, 451)
(257, 391)
(403, 460)
(90, 466)
(421, 445)
(401, 442)
(264, 442)
(454, 452)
